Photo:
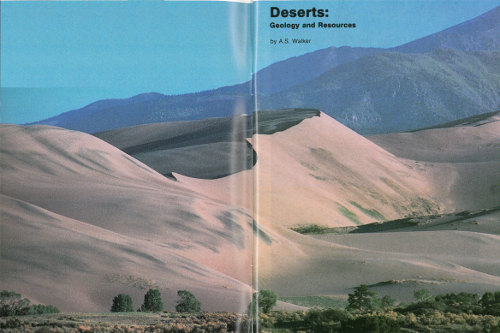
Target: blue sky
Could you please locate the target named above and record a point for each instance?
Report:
(57, 56)
(380, 23)
(83, 51)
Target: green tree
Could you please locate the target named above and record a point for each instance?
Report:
(422, 308)
(152, 301)
(369, 323)
(422, 295)
(387, 302)
(362, 299)
(41, 309)
(122, 303)
(11, 304)
(487, 298)
(323, 321)
(187, 302)
(460, 303)
(490, 303)
(264, 300)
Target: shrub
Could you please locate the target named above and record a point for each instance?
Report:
(361, 300)
(422, 308)
(289, 320)
(187, 302)
(387, 302)
(422, 295)
(314, 320)
(370, 323)
(310, 229)
(11, 323)
(41, 309)
(460, 303)
(490, 303)
(325, 320)
(266, 299)
(152, 301)
(11, 304)
(122, 303)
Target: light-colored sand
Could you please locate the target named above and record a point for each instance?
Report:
(80, 267)
(81, 179)
(442, 261)
(318, 172)
(305, 173)
(463, 161)
(323, 172)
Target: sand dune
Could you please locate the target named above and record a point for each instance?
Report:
(80, 179)
(349, 260)
(461, 158)
(83, 216)
(80, 267)
(210, 148)
(321, 172)
(475, 139)
(395, 263)
(206, 149)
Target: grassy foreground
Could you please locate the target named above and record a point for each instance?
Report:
(333, 320)
(313, 321)
(126, 322)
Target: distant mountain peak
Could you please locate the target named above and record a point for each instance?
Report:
(479, 33)
(456, 96)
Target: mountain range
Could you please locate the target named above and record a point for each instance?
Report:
(442, 77)
(391, 92)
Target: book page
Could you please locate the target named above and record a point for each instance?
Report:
(253, 166)
(126, 166)
(377, 162)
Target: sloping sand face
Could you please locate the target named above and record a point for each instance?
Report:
(81, 216)
(206, 149)
(351, 170)
(80, 267)
(320, 172)
(58, 186)
(461, 158)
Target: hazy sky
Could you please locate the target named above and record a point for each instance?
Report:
(161, 46)
(72, 53)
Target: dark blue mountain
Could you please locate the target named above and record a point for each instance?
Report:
(285, 85)
(392, 92)
(480, 33)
